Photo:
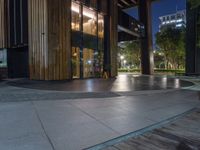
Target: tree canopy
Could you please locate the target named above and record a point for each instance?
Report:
(171, 43)
(194, 3)
(131, 53)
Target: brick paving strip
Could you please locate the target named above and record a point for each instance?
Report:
(180, 133)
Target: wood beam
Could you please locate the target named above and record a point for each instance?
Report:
(128, 31)
(125, 2)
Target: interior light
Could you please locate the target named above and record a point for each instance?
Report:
(86, 12)
(89, 62)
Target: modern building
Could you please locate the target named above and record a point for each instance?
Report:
(66, 39)
(175, 20)
(193, 39)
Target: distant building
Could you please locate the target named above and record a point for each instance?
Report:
(176, 20)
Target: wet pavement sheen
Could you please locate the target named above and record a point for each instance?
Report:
(124, 82)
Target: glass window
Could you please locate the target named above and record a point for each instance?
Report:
(88, 63)
(75, 16)
(100, 26)
(3, 58)
(100, 32)
(76, 62)
(167, 17)
(87, 41)
(89, 21)
(173, 17)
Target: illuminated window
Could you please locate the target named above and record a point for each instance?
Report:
(88, 63)
(89, 21)
(87, 40)
(75, 62)
(75, 17)
(100, 32)
(100, 26)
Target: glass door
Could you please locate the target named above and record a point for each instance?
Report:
(88, 63)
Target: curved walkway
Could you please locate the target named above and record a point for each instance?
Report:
(31, 118)
(123, 83)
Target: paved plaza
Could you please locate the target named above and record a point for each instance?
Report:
(75, 115)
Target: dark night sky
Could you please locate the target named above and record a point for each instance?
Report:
(160, 8)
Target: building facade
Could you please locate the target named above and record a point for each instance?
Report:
(66, 39)
(175, 20)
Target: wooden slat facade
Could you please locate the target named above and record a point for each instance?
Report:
(38, 36)
(50, 39)
(2, 24)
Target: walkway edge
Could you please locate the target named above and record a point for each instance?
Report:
(139, 132)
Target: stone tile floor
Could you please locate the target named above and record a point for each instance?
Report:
(33, 119)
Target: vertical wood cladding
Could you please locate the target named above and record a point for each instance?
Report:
(113, 8)
(2, 24)
(50, 39)
(59, 27)
(38, 39)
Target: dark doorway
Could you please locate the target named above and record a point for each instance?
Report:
(18, 62)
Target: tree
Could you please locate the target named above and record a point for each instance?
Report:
(131, 52)
(194, 3)
(171, 42)
(159, 60)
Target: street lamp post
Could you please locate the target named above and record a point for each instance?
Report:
(121, 60)
(125, 63)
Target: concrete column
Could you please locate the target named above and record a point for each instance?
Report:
(147, 61)
(192, 37)
(113, 8)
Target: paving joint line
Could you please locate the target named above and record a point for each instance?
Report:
(94, 118)
(43, 128)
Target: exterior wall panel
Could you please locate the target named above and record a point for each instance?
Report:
(38, 36)
(59, 41)
(50, 39)
(2, 24)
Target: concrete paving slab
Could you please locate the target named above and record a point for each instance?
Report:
(69, 128)
(81, 123)
(59, 121)
(20, 128)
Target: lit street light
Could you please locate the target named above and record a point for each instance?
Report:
(121, 57)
